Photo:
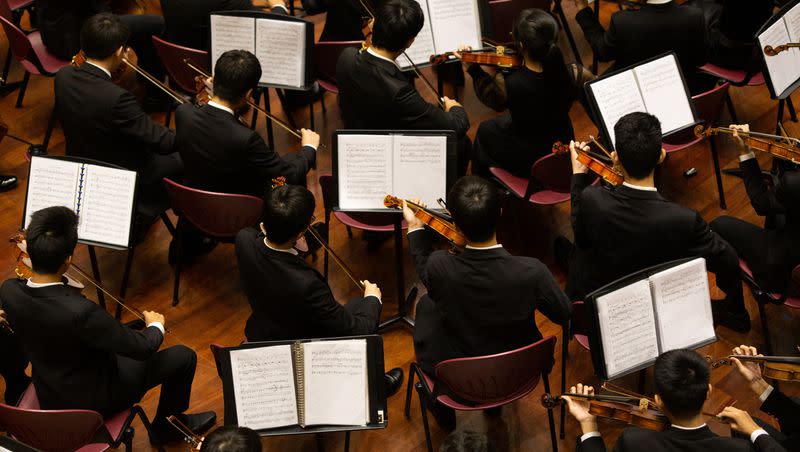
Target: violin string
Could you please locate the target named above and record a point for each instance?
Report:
(611, 387)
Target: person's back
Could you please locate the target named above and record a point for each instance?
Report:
(187, 21)
(60, 23)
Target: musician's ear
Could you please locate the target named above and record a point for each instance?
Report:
(263, 229)
(662, 156)
(710, 390)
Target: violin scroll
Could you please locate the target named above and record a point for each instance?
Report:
(550, 401)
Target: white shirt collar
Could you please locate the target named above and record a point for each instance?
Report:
(290, 250)
(658, 2)
(100, 67)
(482, 248)
(220, 106)
(639, 187)
(375, 54)
(689, 428)
(34, 285)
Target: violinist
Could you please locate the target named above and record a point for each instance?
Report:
(344, 19)
(375, 94)
(682, 385)
(771, 252)
(230, 438)
(482, 301)
(82, 357)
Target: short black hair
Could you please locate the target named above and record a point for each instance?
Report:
(230, 438)
(681, 380)
(51, 238)
(396, 23)
(102, 34)
(475, 206)
(537, 31)
(466, 441)
(287, 212)
(235, 73)
(638, 143)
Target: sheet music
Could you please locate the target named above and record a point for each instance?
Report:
(231, 33)
(107, 205)
(783, 68)
(616, 96)
(336, 390)
(423, 47)
(364, 170)
(627, 328)
(281, 50)
(420, 168)
(792, 19)
(664, 94)
(454, 23)
(683, 305)
(52, 182)
(263, 387)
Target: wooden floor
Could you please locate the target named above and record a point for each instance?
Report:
(213, 308)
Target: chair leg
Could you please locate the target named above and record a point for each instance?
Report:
(320, 442)
(790, 106)
(731, 109)
(50, 125)
(568, 32)
(126, 273)
(346, 441)
(257, 101)
(322, 101)
(137, 410)
(22, 88)
(550, 419)
(128, 440)
(101, 298)
(781, 104)
(178, 258)
(349, 232)
(423, 406)
(167, 224)
(717, 173)
(311, 112)
(564, 351)
(411, 374)
(762, 312)
(6, 67)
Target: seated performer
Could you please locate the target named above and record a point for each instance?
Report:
(289, 299)
(538, 97)
(732, 27)
(771, 253)
(621, 231)
(375, 94)
(82, 357)
(230, 438)
(13, 362)
(220, 153)
(344, 19)
(482, 301)
(103, 121)
(681, 379)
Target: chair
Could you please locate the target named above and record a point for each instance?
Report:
(217, 215)
(172, 56)
(62, 430)
(326, 55)
(484, 382)
(549, 182)
(709, 107)
(763, 298)
(737, 78)
(12, 10)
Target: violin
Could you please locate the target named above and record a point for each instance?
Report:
(431, 219)
(502, 57)
(785, 148)
(630, 410)
(123, 75)
(196, 442)
(783, 368)
(607, 172)
(772, 51)
(123, 7)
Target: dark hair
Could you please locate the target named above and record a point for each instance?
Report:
(475, 207)
(230, 438)
(638, 143)
(681, 379)
(102, 34)
(396, 23)
(466, 441)
(536, 33)
(235, 73)
(287, 212)
(51, 237)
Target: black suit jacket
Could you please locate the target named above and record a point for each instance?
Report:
(221, 154)
(60, 23)
(677, 440)
(343, 21)
(73, 345)
(621, 231)
(786, 409)
(103, 121)
(291, 300)
(485, 301)
(375, 94)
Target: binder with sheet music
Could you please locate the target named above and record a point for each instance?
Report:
(782, 70)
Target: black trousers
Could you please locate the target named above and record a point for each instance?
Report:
(12, 367)
(152, 194)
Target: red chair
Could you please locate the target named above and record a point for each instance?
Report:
(326, 55)
(67, 430)
(763, 298)
(217, 215)
(549, 182)
(737, 78)
(12, 10)
(172, 56)
(484, 381)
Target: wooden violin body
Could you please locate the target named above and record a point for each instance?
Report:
(771, 144)
(595, 165)
(635, 412)
(501, 57)
(783, 368)
(445, 228)
(124, 75)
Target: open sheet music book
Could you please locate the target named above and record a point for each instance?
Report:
(102, 197)
(669, 309)
(783, 69)
(448, 25)
(655, 86)
(304, 383)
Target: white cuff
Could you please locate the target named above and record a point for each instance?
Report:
(379, 298)
(157, 325)
(310, 146)
(746, 157)
(592, 435)
(284, 8)
(410, 230)
(764, 395)
(756, 434)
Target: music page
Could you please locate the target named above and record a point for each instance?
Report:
(616, 96)
(664, 94)
(106, 209)
(420, 168)
(336, 390)
(281, 50)
(263, 387)
(455, 23)
(783, 68)
(231, 33)
(423, 47)
(627, 328)
(792, 20)
(364, 170)
(683, 306)
(52, 182)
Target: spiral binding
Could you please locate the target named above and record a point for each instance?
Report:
(299, 372)
(80, 191)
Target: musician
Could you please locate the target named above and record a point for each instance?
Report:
(770, 252)
(681, 380)
(344, 19)
(375, 94)
(82, 357)
(103, 121)
(230, 438)
(732, 33)
(541, 93)
(482, 301)
(618, 232)
(13, 362)
(289, 299)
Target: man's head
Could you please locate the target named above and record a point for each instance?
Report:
(536, 32)
(103, 37)
(397, 23)
(475, 207)
(51, 238)
(681, 379)
(638, 144)
(236, 73)
(287, 213)
(231, 438)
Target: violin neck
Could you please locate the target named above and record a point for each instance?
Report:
(769, 359)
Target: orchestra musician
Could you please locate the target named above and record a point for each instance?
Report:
(289, 299)
(230, 438)
(682, 384)
(344, 19)
(82, 357)
(482, 301)
(13, 362)
(618, 232)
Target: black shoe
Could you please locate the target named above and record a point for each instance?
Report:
(445, 416)
(199, 423)
(393, 381)
(7, 182)
(723, 316)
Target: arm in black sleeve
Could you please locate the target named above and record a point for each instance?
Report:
(129, 118)
(603, 42)
(578, 184)
(551, 300)
(762, 199)
(593, 444)
(99, 330)
(332, 319)
(421, 246)
(490, 89)
(766, 443)
(268, 164)
(414, 109)
(786, 409)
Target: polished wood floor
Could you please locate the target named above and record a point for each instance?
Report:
(213, 308)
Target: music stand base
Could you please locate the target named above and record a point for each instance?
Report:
(8, 88)
(402, 315)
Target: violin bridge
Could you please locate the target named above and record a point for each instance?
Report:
(643, 405)
(501, 50)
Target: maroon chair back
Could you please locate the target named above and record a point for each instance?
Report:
(219, 215)
(5, 11)
(326, 55)
(20, 44)
(580, 318)
(50, 430)
(498, 378)
(172, 56)
(328, 187)
(503, 13)
(554, 172)
(708, 106)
